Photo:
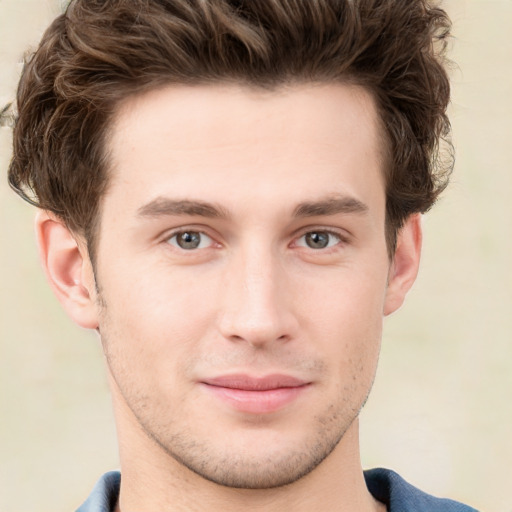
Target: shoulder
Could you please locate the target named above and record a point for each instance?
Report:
(400, 496)
(103, 497)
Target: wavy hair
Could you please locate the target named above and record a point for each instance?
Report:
(101, 51)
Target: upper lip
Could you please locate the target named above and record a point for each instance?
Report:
(249, 383)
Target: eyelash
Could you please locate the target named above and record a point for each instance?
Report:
(175, 234)
(333, 234)
(341, 238)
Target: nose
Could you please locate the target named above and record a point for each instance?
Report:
(257, 302)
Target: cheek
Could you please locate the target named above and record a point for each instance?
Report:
(345, 319)
(345, 301)
(154, 320)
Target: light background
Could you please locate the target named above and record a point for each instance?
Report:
(441, 409)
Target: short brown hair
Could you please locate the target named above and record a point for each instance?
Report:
(101, 51)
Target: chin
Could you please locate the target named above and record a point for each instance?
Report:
(259, 459)
(262, 472)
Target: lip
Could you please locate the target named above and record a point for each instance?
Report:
(256, 395)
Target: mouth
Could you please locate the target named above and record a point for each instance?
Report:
(256, 395)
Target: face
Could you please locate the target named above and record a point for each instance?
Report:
(243, 271)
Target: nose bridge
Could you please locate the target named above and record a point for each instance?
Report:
(255, 307)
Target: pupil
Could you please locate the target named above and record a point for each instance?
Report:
(189, 240)
(317, 240)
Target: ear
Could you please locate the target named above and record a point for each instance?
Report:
(405, 264)
(68, 269)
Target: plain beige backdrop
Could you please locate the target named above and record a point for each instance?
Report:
(441, 408)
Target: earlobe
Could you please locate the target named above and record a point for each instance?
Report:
(404, 267)
(67, 267)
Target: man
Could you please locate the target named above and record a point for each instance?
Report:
(230, 194)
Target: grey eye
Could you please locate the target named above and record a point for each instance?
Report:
(318, 240)
(190, 240)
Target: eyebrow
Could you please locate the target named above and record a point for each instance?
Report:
(331, 206)
(163, 206)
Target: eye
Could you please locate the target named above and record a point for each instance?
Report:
(190, 240)
(319, 240)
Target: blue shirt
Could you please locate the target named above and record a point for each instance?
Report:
(385, 485)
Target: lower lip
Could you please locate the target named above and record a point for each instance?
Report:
(256, 402)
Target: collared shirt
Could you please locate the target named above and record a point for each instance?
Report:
(385, 485)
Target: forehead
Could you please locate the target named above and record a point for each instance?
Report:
(227, 141)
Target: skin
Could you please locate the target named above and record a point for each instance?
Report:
(254, 176)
